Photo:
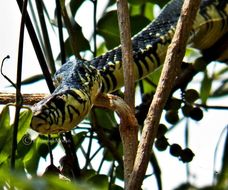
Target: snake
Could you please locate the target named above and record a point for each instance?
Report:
(78, 82)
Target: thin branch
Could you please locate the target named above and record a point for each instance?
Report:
(60, 30)
(170, 71)
(19, 99)
(94, 27)
(28, 99)
(127, 56)
(31, 99)
(129, 133)
(128, 124)
(47, 50)
(38, 50)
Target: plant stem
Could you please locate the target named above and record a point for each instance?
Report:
(170, 71)
(19, 98)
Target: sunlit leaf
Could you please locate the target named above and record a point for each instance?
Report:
(24, 123)
(150, 86)
(205, 88)
(4, 125)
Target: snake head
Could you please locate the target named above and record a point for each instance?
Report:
(71, 101)
(60, 112)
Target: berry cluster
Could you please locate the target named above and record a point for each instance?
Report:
(189, 109)
(161, 143)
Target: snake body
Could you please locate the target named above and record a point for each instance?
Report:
(79, 82)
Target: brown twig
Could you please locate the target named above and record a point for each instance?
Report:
(170, 71)
(128, 124)
(128, 132)
(127, 56)
(31, 99)
(28, 99)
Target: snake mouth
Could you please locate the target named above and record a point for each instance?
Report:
(41, 125)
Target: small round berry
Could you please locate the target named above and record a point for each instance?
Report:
(161, 144)
(196, 114)
(191, 95)
(186, 155)
(175, 150)
(186, 109)
(171, 116)
(173, 104)
(162, 129)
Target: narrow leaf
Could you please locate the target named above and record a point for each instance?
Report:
(4, 125)
(205, 88)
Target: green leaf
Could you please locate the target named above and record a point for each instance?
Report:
(99, 181)
(105, 118)
(74, 5)
(116, 187)
(137, 2)
(222, 90)
(32, 79)
(205, 88)
(110, 32)
(101, 49)
(4, 125)
(138, 22)
(24, 146)
(154, 78)
(149, 13)
(31, 159)
(161, 3)
(24, 123)
(78, 138)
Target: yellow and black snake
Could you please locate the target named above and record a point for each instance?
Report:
(79, 82)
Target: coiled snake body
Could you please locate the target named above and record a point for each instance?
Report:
(79, 82)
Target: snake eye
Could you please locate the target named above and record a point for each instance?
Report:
(46, 112)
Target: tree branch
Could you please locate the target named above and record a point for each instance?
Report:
(170, 71)
(128, 132)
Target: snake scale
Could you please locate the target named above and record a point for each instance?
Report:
(79, 82)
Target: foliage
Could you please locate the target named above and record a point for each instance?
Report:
(101, 127)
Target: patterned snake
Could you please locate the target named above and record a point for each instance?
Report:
(79, 82)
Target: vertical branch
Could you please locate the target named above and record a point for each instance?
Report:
(19, 98)
(170, 71)
(94, 27)
(128, 132)
(60, 29)
(38, 50)
(127, 56)
(47, 50)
